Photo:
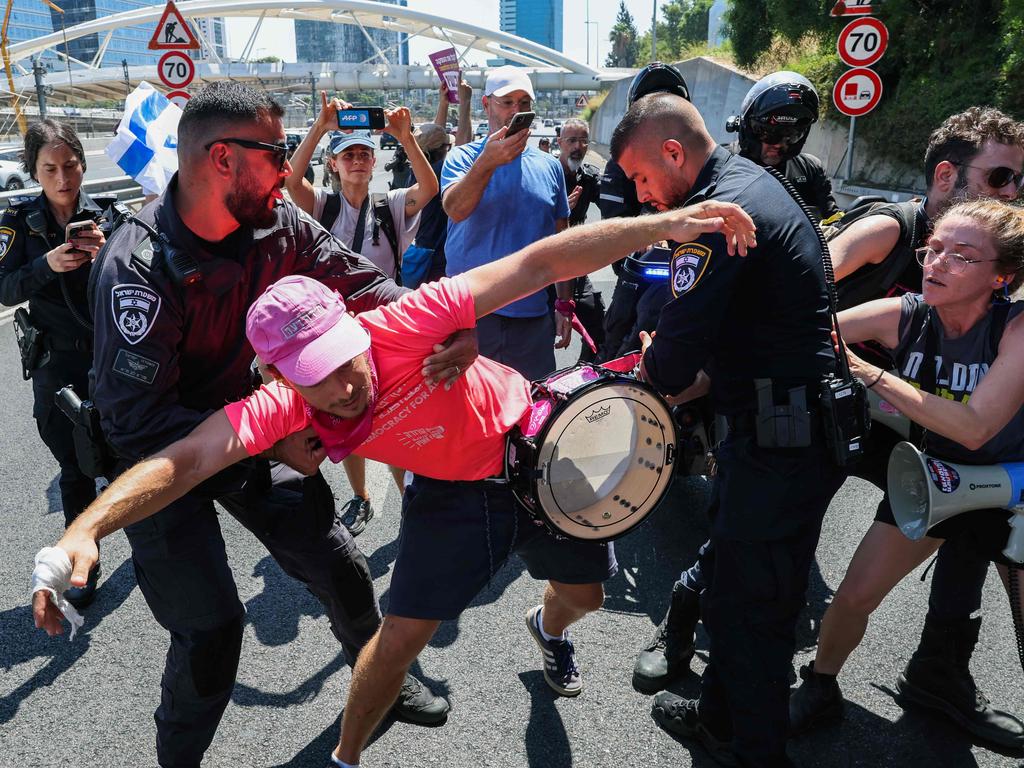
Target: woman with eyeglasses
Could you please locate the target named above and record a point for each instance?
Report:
(969, 400)
(380, 230)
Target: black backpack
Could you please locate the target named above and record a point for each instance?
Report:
(383, 221)
(875, 282)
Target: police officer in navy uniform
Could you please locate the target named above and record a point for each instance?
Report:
(775, 118)
(37, 265)
(760, 326)
(170, 293)
(631, 309)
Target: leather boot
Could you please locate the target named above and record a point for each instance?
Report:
(670, 650)
(815, 702)
(938, 677)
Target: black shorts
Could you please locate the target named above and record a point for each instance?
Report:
(456, 535)
(986, 530)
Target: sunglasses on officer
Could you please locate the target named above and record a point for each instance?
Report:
(998, 177)
(281, 150)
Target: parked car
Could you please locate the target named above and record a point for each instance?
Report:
(549, 123)
(387, 141)
(12, 176)
(481, 130)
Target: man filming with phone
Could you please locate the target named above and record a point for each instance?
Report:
(501, 195)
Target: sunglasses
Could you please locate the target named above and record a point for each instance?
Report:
(281, 150)
(999, 177)
(777, 134)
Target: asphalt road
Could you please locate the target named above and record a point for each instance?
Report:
(90, 702)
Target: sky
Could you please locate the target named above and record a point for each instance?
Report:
(277, 37)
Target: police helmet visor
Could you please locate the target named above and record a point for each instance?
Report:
(768, 130)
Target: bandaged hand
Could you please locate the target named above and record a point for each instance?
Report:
(50, 579)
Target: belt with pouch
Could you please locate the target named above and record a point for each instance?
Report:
(54, 343)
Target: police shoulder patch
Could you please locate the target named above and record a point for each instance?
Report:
(689, 261)
(135, 308)
(6, 241)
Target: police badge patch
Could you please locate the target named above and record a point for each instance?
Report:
(689, 261)
(135, 309)
(6, 241)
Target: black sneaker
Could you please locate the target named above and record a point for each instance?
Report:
(357, 513)
(82, 597)
(680, 716)
(416, 704)
(560, 669)
(817, 701)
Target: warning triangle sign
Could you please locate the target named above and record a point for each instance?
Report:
(582, 101)
(172, 32)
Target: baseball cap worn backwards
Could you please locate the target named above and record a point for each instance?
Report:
(503, 80)
(301, 327)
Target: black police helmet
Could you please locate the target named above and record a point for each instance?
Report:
(657, 77)
(779, 108)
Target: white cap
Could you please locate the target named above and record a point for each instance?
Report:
(506, 79)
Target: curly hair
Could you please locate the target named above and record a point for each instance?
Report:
(1005, 225)
(49, 131)
(961, 136)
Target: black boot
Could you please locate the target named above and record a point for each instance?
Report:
(817, 701)
(938, 677)
(671, 649)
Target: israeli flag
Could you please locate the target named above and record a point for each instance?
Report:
(146, 145)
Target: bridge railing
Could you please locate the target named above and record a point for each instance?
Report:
(128, 191)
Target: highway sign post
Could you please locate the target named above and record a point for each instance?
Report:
(176, 70)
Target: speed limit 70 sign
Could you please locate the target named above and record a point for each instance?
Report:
(176, 69)
(862, 42)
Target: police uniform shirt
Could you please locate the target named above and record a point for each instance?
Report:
(741, 318)
(588, 178)
(27, 233)
(166, 355)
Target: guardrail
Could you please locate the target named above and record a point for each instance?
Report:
(128, 190)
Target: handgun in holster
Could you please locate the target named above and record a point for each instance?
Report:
(782, 426)
(30, 343)
(94, 457)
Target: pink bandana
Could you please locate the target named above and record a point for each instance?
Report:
(342, 436)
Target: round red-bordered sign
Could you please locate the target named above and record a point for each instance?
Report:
(179, 98)
(176, 69)
(862, 42)
(857, 91)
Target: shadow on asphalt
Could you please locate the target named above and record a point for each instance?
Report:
(275, 612)
(547, 744)
(317, 753)
(22, 642)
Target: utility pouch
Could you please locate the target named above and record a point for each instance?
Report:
(782, 426)
(845, 417)
(94, 457)
(30, 343)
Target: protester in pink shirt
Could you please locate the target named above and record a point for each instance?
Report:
(356, 384)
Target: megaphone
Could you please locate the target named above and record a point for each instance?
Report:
(924, 491)
(883, 413)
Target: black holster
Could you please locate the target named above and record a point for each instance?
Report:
(30, 343)
(94, 457)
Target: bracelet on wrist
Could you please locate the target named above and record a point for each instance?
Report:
(878, 378)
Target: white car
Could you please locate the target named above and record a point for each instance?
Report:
(12, 176)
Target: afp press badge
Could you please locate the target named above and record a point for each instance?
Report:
(689, 261)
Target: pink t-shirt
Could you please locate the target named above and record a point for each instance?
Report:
(455, 434)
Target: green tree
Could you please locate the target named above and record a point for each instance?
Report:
(624, 39)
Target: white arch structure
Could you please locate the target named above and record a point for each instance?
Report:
(550, 69)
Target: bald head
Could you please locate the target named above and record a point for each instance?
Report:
(657, 118)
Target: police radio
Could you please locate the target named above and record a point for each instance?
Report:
(843, 400)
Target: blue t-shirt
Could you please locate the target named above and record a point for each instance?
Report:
(520, 205)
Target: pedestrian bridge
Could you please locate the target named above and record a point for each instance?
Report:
(549, 69)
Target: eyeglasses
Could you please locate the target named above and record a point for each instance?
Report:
(281, 150)
(999, 177)
(574, 140)
(954, 263)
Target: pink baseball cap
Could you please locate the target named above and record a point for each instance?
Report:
(301, 327)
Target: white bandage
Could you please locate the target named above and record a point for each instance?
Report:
(53, 574)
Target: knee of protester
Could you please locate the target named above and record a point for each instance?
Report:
(855, 599)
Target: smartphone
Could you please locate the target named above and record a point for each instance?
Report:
(367, 118)
(73, 228)
(520, 122)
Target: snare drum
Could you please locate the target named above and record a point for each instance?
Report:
(593, 456)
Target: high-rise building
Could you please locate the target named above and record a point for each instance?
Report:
(326, 41)
(214, 32)
(536, 20)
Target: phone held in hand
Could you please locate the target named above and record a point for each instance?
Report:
(74, 228)
(520, 122)
(364, 118)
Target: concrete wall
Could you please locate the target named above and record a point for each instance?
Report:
(718, 90)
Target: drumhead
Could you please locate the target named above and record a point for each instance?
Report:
(605, 460)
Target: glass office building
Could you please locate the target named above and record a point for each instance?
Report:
(536, 20)
(327, 41)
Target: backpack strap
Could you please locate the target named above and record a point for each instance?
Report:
(382, 217)
(920, 322)
(332, 207)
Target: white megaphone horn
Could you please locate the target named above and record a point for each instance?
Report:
(924, 491)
